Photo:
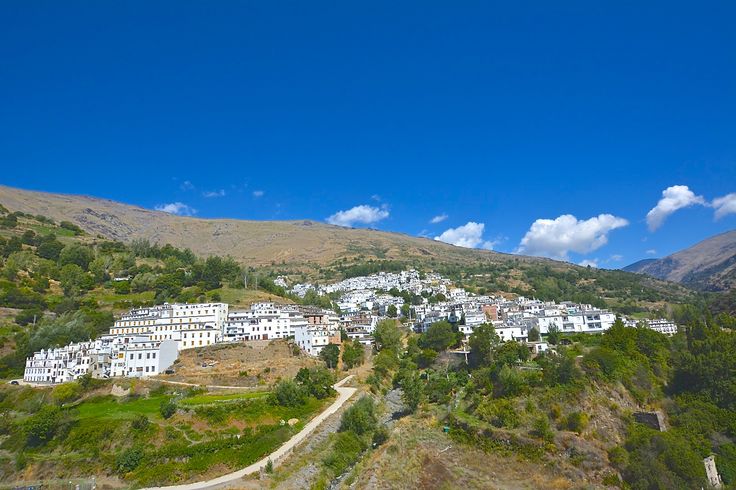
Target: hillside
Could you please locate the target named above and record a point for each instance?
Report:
(254, 242)
(709, 265)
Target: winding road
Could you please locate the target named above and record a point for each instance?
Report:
(343, 395)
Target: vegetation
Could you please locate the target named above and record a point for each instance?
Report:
(150, 439)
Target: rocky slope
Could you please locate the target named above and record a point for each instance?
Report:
(709, 265)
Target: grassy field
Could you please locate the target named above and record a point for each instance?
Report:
(246, 297)
(129, 439)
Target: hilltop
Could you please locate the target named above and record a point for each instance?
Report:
(708, 265)
(257, 243)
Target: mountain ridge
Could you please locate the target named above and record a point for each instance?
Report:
(256, 242)
(709, 265)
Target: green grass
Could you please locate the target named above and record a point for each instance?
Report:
(232, 397)
(48, 229)
(108, 408)
(244, 297)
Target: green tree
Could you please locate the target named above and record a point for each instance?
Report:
(533, 335)
(49, 247)
(438, 337)
(406, 310)
(330, 354)
(391, 311)
(361, 418)
(288, 393)
(76, 254)
(353, 354)
(388, 336)
(412, 391)
(74, 280)
(482, 342)
(41, 427)
(553, 334)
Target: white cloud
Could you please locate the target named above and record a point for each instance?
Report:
(359, 214)
(438, 219)
(186, 186)
(469, 235)
(220, 193)
(589, 263)
(651, 251)
(258, 194)
(376, 197)
(725, 205)
(673, 198)
(616, 258)
(557, 237)
(177, 208)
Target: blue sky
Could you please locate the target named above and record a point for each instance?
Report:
(500, 115)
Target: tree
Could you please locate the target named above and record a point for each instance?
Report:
(387, 336)
(361, 418)
(316, 381)
(391, 311)
(533, 335)
(353, 354)
(289, 394)
(76, 254)
(49, 247)
(41, 427)
(438, 337)
(412, 391)
(74, 280)
(406, 310)
(481, 342)
(330, 354)
(553, 334)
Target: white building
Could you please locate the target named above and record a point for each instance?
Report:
(321, 329)
(143, 357)
(662, 325)
(190, 325)
(264, 321)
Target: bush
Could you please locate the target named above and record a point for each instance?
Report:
(577, 422)
(289, 394)
(360, 418)
(141, 422)
(41, 427)
(129, 460)
(345, 451)
(66, 392)
(167, 409)
(542, 429)
(500, 412)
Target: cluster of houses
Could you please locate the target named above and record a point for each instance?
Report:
(146, 341)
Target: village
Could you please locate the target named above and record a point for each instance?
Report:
(146, 341)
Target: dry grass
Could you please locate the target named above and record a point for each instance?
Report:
(248, 364)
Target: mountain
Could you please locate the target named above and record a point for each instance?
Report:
(638, 266)
(709, 265)
(253, 242)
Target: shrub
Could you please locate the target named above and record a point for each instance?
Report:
(541, 429)
(167, 409)
(500, 412)
(577, 422)
(129, 460)
(141, 422)
(42, 426)
(66, 392)
(289, 394)
(360, 418)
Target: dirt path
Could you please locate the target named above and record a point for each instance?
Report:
(344, 394)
